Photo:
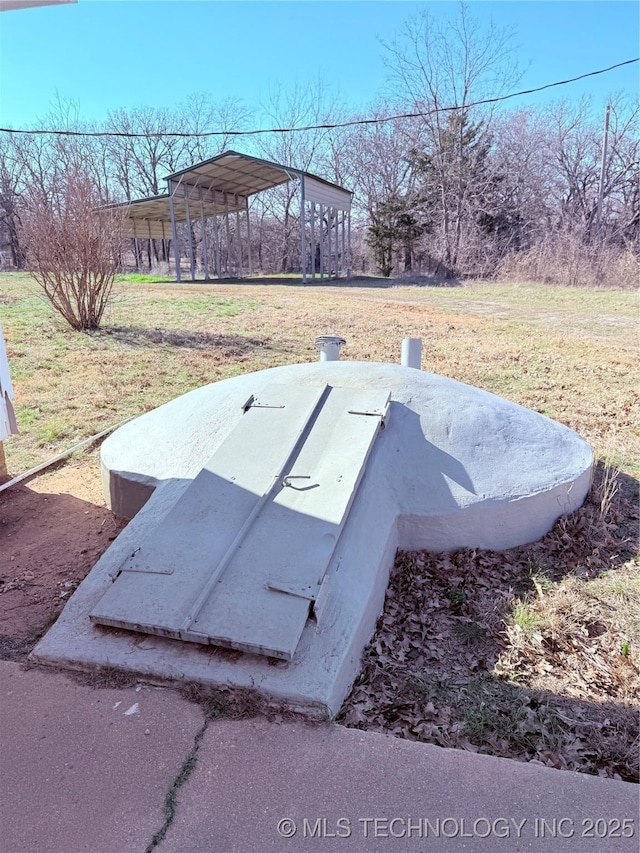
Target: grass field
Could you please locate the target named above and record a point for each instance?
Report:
(568, 353)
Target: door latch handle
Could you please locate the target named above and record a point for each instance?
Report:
(289, 477)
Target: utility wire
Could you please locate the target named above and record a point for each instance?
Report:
(352, 123)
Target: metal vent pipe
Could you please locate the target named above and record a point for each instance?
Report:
(411, 353)
(329, 346)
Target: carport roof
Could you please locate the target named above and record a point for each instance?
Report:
(221, 185)
(151, 217)
(241, 174)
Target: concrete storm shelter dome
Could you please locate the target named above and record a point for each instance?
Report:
(267, 509)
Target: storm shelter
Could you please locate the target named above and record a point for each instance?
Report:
(266, 511)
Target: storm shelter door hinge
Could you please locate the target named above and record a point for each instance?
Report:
(381, 412)
(253, 403)
(307, 591)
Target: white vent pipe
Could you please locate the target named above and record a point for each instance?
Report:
(411, 353)
(329, 346)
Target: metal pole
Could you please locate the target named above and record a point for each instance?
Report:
(303, 241)
(136, 250)
(190, 235)
(150, 243)
(176, 250)
(337, 243)
(321, 241)
(238, 237)
(313, 239)
(205, 254)
(249, 235)
(349, 243)
(329, 227)
(226, 216)
(603, 165)
(216, 232)
(344, 265)
(216, 237)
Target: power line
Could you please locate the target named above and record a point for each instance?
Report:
(352, 123)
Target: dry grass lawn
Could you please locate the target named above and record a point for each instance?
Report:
(495, 645)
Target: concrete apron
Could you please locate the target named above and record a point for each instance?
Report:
(455, 467)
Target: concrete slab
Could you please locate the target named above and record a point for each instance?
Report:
(86, 770)
(80, 774)
(325, 786)
(455, 467)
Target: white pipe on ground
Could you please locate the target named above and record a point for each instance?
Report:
(411, 353)
(329, 346)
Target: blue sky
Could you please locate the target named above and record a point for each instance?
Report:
(106, 54)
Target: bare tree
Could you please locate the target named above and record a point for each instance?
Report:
(73, 252)
(305, 150)
(551, 160)
(10, 199)
(451, 64)
(200, 115)
(142, 162)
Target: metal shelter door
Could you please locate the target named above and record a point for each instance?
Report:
(241, 555)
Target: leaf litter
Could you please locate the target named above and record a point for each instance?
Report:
(531, 653)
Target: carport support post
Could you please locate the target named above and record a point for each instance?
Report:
(313, 239)
(344, 260)
(136, 249)
(321, 242)
(246, 203)
(205, 254)
(238, 237)
(303, 241)
(174, 232)
(226, 219)
(349, 244)
(329, 227)
(216, 237)
(150, 243)
(189, 234)
(216, 231)
(337, 241)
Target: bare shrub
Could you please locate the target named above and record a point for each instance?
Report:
(566, 259)
(72, 251)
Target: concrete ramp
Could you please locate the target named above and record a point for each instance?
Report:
(239, 560)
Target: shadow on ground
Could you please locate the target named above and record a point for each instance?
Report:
(228, 345)
(354, 281)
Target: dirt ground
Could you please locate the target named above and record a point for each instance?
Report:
(53, 529)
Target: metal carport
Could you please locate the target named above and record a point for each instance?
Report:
(219, 188)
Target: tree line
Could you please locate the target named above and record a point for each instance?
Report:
(480, 190)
